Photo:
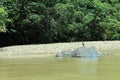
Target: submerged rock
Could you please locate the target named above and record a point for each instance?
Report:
(79, 52)
(65, 54)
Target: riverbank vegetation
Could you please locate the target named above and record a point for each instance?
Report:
(48, 21)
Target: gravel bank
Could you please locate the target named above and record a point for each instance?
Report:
(42, 50)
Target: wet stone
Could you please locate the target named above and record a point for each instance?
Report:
(79, 52)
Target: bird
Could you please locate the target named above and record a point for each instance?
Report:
(83, 44)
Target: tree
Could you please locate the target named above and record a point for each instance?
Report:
(45, 21)
(3, 19)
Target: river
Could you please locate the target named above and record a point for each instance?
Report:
(50, 68)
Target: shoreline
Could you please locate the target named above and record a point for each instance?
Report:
(46, 50)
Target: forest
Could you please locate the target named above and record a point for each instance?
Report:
(52, 21)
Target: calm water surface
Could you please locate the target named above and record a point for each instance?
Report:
(104, 68)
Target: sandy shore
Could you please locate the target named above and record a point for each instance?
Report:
(42, 50)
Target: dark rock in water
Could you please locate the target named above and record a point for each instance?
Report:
(65, 54)
(79, 52)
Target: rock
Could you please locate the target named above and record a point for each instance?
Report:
(86, 52)
(65, 54)
(80, 52)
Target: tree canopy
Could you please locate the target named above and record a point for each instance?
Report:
(46, 21)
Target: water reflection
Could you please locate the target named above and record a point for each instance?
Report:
(88, 68)
(60, 69)
(95, 59)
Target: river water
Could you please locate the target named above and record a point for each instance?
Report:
(103, 68)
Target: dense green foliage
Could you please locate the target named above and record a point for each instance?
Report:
(45, 21)
(3, 19)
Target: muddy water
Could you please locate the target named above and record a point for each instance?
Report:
(104, 68)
